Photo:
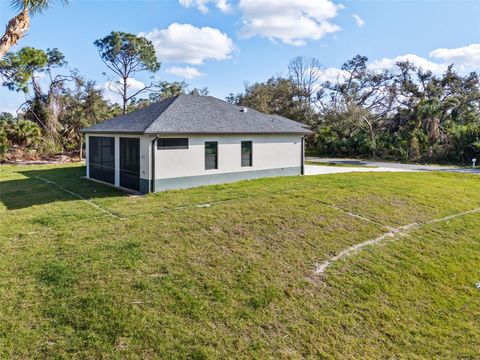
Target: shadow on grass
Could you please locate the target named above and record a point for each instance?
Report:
(31, 190)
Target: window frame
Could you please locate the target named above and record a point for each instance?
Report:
(250, 163)
(161, 144)
(216, 155)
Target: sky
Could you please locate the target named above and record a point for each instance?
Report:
(223, 44)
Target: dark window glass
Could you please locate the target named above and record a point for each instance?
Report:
(101, 158)
(130, 163)
(246, 153)
(172, 143)
(211, 156)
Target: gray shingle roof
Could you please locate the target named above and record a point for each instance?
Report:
(191, 114)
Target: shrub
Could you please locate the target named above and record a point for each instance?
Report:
(465, 143)
(4, 143)
(24, 133)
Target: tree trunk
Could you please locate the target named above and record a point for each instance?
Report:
(124, 95)
(434, 134)
(413, 148)
(37, 90)
(372, 135)
(16, 29)
(51, 118)
(46, 111)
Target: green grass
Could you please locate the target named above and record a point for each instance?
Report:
(169, 279)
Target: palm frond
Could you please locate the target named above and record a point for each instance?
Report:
(35, 6)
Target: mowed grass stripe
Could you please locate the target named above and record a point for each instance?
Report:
(390, 199)
(74, 194)
(179, 246)
(232, 280)
(414, 298)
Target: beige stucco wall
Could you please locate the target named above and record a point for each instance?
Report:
(269, 152)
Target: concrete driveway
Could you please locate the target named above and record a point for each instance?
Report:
(356, 165)
(321, 170)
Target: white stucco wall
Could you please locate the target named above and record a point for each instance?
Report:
(145, 156)
(269, 152)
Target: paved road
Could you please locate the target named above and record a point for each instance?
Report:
(394, 166)
(321, 170)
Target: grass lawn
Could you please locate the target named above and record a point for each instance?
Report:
(159, 276)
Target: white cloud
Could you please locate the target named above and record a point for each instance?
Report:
(292, 22)
(358, 20)
(390, 63)
(333, 75)
(201, 5)
(185, 43)
(186, 72)
(134, 84)
(109, 88)
(466, 58)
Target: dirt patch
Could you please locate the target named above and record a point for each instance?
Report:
(19, 156)
(56, 159)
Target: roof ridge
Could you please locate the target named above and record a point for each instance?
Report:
(171, 100)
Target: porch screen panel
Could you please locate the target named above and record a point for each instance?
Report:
(101, 158)
(130, 163)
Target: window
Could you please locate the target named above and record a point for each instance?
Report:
(172, 143)
(246, 153)
(211, 158)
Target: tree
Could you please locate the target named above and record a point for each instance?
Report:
(358, 102)
(199, 91)
(17, 68)
(306, 75)
(18, 26)
(6, 117)
(82, 106)
(275, 96)
(433, 110)
(125, 55)
(20, 72)
(166, 89)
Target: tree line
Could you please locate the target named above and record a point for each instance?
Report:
(60, 101)
(407, 113)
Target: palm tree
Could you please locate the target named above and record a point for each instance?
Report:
(18, 26)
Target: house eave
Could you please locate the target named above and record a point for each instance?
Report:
(86, 131)
(230, 132)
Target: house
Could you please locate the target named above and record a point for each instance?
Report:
(187, 141)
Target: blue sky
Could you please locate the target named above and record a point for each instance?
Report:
(223, 43)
